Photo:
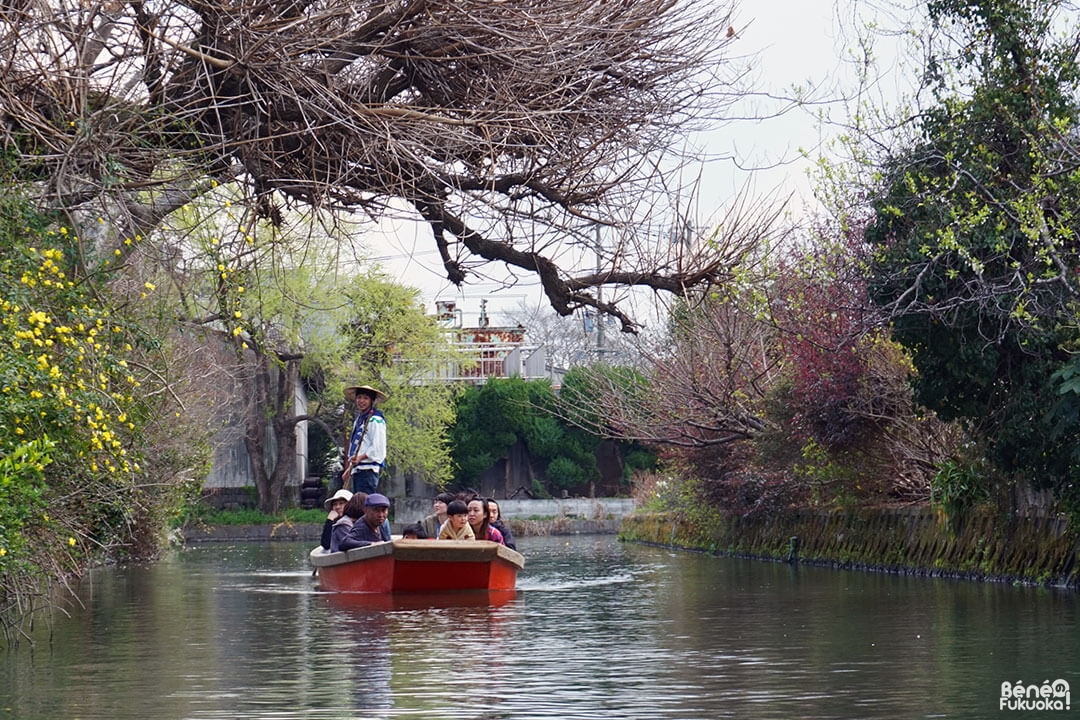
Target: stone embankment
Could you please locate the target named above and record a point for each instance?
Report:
(311, 533)
(918, 541)
(567, 516)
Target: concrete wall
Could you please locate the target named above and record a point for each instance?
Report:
(409, 509)
(312, 532)
(231, 468)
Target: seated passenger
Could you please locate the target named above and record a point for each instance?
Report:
(335, 506)
(479, 517)
(498, 524)
(371, 527)
(434, 522)
(414, 532)
(350, 514)
(456, 526)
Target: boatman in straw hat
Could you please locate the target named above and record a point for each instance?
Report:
(367, 442)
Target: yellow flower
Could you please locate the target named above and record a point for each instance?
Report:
(3, 552)
(71, 541)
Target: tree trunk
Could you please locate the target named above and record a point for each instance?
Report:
(270, 407)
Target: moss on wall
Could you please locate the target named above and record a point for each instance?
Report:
(982, 545)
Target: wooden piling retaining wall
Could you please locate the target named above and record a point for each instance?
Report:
(918, 540)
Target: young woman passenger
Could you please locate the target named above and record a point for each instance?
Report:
(480, 521)
(495, 519)
(434, 522)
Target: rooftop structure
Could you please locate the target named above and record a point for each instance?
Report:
(486, 351)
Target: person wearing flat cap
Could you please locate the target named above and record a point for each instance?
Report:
(370, 528)
(367, 442)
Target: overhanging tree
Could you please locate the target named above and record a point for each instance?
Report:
(511, 128)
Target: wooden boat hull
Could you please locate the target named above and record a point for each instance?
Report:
(419, 566)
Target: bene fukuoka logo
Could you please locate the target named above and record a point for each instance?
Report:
(1048, 696)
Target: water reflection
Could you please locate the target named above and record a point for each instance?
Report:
(595, 629)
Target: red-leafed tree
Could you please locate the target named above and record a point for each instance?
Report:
(785, 387)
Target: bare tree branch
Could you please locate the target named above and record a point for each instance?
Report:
(513, 127)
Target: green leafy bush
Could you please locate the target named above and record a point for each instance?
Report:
(958, 487)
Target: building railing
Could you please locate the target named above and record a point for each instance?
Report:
(476, 363)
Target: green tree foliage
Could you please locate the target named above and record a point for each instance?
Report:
(492, 418)
(975, 228)
(392, 344)
(284, 307)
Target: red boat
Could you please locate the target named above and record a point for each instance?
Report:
(419, 566)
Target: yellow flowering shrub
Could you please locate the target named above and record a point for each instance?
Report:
(70, 411)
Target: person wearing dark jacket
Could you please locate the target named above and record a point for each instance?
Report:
(370, 528)
(350, 516)
(335, 506)
(434, 522)
(496, 522)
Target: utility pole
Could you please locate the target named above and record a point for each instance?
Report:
(599, 299)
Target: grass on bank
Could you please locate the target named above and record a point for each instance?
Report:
(204, 515)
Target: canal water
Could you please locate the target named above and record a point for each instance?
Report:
(597, 629)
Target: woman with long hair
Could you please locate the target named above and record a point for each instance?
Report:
(480, 519)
